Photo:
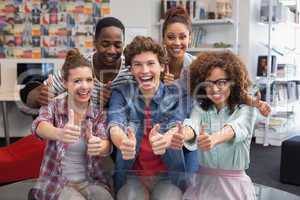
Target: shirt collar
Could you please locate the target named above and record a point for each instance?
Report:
(63, 107)
(157, 96)
(225, 109)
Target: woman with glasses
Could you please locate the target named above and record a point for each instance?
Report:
(177, 34)
(224, 125)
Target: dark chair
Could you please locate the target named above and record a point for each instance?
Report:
(290, 161)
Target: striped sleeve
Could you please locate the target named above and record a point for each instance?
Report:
(58, 85)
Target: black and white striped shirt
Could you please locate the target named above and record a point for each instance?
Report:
(124, 76)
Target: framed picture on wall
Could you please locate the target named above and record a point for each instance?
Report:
(38, 28)
(262, 65)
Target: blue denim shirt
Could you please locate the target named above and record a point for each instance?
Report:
(183, 84)
(126, 108)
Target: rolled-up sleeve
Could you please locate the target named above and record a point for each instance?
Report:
(46, 114)
(100, 126)
(242, 122)
(58, 85)
(118, 109)
(194, 123)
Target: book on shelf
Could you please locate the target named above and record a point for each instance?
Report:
(198, 34)
(189, 5)
(198, 9)
(284, 114)
(274, 122)
(286, 71)
(281, 92)
(274, 137)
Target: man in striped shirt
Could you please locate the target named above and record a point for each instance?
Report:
(107, 63)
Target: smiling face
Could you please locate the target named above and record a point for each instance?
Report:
(176, 39)
(146, 69)
(217, 87)
(79, 85)
(109, 45)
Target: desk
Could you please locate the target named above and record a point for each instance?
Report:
(6, 96)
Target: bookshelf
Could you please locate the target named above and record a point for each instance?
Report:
(199, 49)
(280, 85)
(211, 31)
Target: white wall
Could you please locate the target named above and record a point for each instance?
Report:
(145, 14)
(137, 15)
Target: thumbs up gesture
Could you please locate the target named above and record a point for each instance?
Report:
(205, 141)
(158, 141)
(44, 93)
(128, 145)
(71, 132)
(168, 77)
(105, 94)
(263, 107)
(177, 140)
(95, 145)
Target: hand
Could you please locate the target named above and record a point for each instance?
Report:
(159, 142)
(263, 107)
(95, 145)
(105, 94)
(41, 95)
(70, 133)
(205, 141)
(177, 140)
(128, 145)
(168, 77)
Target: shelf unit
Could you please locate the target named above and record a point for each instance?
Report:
(270, 133)
(217, 31)
(199, 49)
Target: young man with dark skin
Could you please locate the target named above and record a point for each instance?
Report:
(106, 61)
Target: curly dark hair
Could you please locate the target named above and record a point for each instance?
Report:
(176, 15)
(142, 44)
(234, 68)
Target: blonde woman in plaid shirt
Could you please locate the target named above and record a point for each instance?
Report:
(76, 139)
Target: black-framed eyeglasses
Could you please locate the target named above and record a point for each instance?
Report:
(220, 83)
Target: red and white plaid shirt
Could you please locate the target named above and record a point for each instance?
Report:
(51, 181)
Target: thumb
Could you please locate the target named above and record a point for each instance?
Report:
(50, 80)
(108, 85)
(257, 99)
(154, 130)
(202, 130)
(89, 130)
(71, 117)
(130, 134)
(167, 70)
(179, 127)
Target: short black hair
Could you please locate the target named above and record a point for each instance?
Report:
(106, 22)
